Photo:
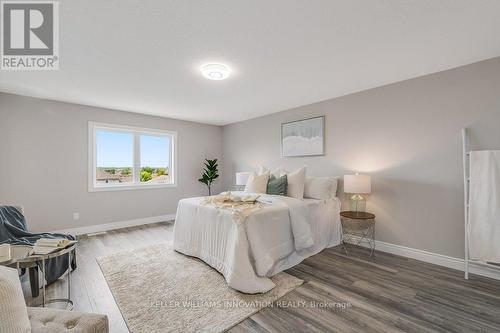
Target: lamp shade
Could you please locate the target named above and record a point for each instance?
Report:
(242, 178)
(359, 184)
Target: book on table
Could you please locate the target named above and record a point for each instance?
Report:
(4, 252)
(49, 245)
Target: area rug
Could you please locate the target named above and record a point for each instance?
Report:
(160, 290)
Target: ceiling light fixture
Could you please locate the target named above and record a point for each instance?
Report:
(215, 71)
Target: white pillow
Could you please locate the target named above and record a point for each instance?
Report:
(296, 181)
(322, 188)
(262, 170)
(13, 311)
(257, 183)
(278, 172)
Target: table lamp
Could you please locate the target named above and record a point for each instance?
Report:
(357, 184)
(242, 178)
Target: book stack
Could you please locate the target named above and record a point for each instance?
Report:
(49, 245)
(4, 252)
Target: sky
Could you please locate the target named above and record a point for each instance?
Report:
(116, 149)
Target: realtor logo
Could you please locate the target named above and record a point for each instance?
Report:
(30, 35)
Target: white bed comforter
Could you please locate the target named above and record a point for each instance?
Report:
(278, 236)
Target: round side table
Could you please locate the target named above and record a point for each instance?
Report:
(21, 258)
(358, 228)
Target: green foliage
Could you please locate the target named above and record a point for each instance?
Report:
(145, 176)
(210, 173)
(147, 169)
(161, 171)
(126, 172)
(111, 171)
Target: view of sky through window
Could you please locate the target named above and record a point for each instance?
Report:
(155, 151)
(114, 149)
(115, 158)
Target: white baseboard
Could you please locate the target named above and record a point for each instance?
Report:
(433, 258)
(430, 257)
(116, 225)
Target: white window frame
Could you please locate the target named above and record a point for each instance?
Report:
(137, 132)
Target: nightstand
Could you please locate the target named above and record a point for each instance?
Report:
(358, 228)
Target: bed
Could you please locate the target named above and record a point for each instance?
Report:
(248, 250)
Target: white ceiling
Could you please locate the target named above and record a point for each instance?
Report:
(144, 56)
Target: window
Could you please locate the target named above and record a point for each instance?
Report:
(125, 157)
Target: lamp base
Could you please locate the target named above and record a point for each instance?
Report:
(357, 203)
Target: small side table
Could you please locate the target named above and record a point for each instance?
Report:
(21, 258)
(17, 253)
(358, 228)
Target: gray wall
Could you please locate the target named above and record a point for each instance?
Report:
(43, 163)
(406, 136)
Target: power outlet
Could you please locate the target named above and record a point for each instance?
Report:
(76, 216)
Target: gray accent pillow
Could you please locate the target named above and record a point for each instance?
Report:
(277, 186)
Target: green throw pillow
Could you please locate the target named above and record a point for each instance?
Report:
(277, 186)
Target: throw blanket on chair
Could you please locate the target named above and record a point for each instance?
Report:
(14, 230)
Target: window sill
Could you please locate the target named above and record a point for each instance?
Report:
(130, 187)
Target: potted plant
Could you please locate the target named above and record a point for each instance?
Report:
(210, 173)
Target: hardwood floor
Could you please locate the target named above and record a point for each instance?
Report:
(341, 294)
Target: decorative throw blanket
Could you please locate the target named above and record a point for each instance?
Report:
(239, 207)
(242, 207)
(14, 230)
